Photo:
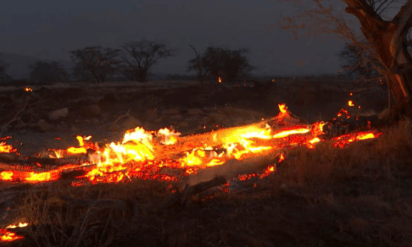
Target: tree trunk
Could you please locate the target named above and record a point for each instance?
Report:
(142, 75)
(388, 39)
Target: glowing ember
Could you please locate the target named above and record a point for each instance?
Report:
(292, 131)
(6, 175)
(350, 103)
(219, 79)
(311, 143)
(344, 140)
(8, 236)
(168, 136)
(21, 224)
(317, 128)
(281, 158)
(27, 89)
(5, 148)
(74, 150)
(268, 171)
(283, 108)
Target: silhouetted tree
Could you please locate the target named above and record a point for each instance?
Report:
(140, 56)
(48, 72)
(358, 62)
(197, 65)
(215, 62)
(4, 77)
(95, 63)
(388, 40)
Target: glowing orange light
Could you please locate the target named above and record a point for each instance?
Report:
(74, 150)
(219, 79)
(6, 176)
(5, 148)
(281, 158)
(21, 224)
(350, 103)
(8, 236)
(141, 153)
(283, 108)
(289, 132)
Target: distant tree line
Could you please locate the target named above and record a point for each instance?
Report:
(135, 60)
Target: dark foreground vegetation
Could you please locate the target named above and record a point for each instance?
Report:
(356, 196)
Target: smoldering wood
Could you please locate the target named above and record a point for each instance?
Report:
(232, 168)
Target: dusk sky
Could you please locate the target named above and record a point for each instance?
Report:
(49, 29)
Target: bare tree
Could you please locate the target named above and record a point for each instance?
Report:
(386, 39)
(48, 72)
(197, 65)
(141, 56)
(95, 63)
(215, 62)
(358, 62)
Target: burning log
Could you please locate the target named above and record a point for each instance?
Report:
(233, 168)
(8, 157)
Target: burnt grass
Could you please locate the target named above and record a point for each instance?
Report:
(356, 196)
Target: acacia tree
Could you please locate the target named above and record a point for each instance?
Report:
(385, 39)
(48, 72)
(141, 56)
(95, 63)
(215, 62)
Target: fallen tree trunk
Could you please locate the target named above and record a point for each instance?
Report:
(226, 135)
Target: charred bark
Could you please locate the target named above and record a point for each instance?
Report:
(389, 40)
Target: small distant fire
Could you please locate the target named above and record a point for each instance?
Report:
(28, 89)
(144, 154)
(219, 79)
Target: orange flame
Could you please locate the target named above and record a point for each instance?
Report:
(344, 140)
(21, 224)
(5, 148)
(291, 131)
(283, 108)
(168, 136)
(137, 155)
(8, 236)
(281, 158)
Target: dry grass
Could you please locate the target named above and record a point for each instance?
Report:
(356, 196)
